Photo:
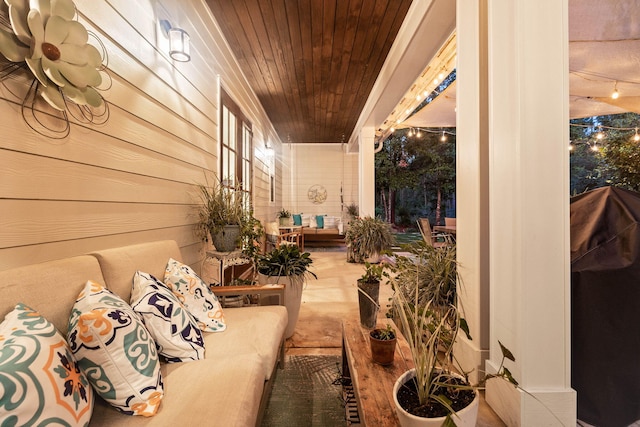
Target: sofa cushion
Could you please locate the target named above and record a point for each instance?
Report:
(41, 381)
(176, 332)
(320, 221)
(196, 296)
(297, 219)
(50, 287)
(115, 351)
(120, 264)
(250, 330)
(221, 392)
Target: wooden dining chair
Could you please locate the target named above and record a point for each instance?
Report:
(437, 240)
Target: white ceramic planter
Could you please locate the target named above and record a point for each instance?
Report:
(292, 297)
(465, 417)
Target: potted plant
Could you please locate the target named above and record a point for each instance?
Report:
(352, 211)
(368, 293)
(224, 212)
(287, 265)
(425, 302)
(383, 345)
(285, 217)
(367, 238)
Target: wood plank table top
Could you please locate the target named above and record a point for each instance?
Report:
(373, 383)
(451, 229)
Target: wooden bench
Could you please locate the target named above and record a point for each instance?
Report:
(372, 383)
(323, 236)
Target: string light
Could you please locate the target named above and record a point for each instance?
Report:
(615, 93)
(600, 134)
(410, 133)
(636, 137)
(419, 134)
(443, 138)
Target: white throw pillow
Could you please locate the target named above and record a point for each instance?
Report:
(175, 330)
(115, 351)
(195, 295)
(40, 381)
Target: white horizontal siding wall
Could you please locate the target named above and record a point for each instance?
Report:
(132, 179)
(327, 165)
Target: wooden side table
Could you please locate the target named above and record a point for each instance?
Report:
(372, 383)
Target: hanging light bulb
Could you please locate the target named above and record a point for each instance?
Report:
(419, 133)
(443, 138)
(410, 133)
(615, 94)
(636, 137)
(600, 134)
(595, 147)
(392, 129)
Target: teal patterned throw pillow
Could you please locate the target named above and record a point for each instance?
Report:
(115, 351)
(176, 332)
(40, 381)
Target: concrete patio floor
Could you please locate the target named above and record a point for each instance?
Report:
(334, 297)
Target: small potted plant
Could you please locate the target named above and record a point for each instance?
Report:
(284, 216)
(367, 238)
(383, 345)
(368, 294)
(287, 265)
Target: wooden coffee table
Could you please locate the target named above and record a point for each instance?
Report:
(372, 383)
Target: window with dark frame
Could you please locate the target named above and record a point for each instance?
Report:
(236, 146)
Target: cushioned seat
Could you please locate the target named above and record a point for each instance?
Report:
(250, 330)
(195, 387)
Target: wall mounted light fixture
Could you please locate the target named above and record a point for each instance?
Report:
(178, 41)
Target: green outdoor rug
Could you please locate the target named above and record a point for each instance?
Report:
(307, 393)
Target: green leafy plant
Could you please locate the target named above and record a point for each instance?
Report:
(386, 334)
(284, 214)
(366, 237)
(285, 260)
(372, 273)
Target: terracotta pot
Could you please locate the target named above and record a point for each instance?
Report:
(466, 417)
(382, 351)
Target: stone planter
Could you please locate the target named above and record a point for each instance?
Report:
(292, 297)
(227, 240)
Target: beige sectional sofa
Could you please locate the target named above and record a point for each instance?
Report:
(229, 387)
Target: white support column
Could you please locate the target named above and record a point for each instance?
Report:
(472, 182)
(366, 173)
(529, 210)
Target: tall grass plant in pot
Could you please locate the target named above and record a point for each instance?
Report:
(224, 212)
(287, 265)
(367, 238)
(425, 302)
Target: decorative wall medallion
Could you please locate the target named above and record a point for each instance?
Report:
(317, 194)
(44, 40)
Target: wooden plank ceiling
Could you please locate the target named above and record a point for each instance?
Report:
(312, 63)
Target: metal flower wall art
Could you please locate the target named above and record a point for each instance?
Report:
(43, 40)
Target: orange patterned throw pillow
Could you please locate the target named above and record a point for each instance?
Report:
(115, 351)
(40, 381)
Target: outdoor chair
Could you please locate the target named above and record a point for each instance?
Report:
(437, 240)
(275, 237)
